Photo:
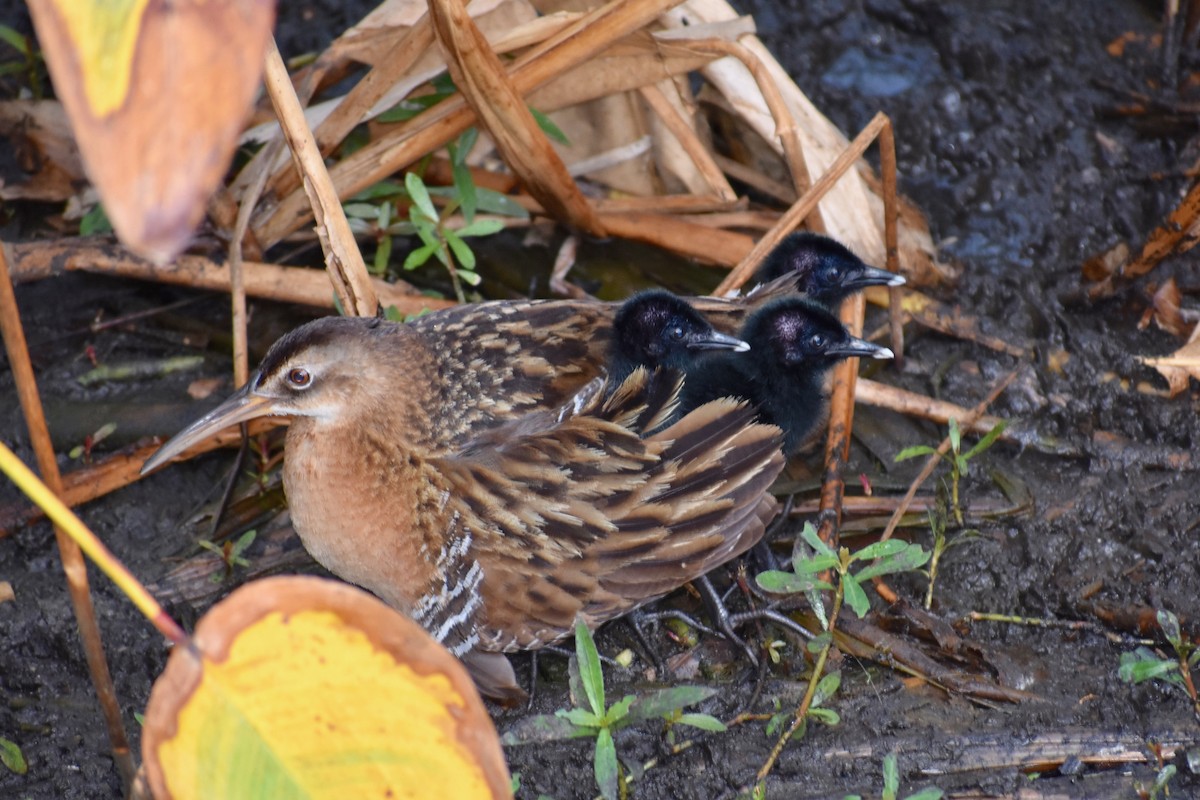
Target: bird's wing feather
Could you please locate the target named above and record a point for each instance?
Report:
(588, 516)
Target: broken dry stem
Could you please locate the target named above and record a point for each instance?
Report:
(567, 48)
(343, 261)
(72, 557)
(42, 259)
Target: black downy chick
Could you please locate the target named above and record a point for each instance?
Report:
(829, 272)
(657, 329)
(794, 342)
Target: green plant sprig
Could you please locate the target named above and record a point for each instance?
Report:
(592, 717)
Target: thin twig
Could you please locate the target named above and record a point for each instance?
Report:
(72, 556)
(343, 261)
(804, 206)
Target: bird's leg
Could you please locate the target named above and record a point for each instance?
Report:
(721, 615)
(769, 615)
(533, 679)
(635, 620)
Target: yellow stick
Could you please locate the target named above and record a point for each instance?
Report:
(65, 519)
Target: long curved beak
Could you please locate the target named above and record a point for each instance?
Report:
(872, 276)
(718, 341)
(861, 348)
(240, 407)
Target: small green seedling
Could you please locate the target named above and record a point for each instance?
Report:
(600, 721)
(1144, 664)
(30, 62)
(12, 757)
(891, 784)
(827, 687)
(230, 553)
(84, 451)
(1159, 788)
(889, 556)
(959, 461)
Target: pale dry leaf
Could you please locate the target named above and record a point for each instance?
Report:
(1179, 367)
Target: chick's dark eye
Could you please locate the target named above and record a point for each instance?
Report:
(299, 378)
(676, 333)
(817, 341)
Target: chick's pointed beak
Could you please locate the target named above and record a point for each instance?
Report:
(872, 276)
(718, 341)
(861, 348)
(240, 407)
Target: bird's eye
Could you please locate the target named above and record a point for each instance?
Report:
(817, 341)
(299, 378)
(676, 333)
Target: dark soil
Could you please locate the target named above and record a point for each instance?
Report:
(1006, 140)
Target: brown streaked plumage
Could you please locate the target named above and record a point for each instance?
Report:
(495, 519)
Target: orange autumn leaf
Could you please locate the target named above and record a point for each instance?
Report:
(156, 93)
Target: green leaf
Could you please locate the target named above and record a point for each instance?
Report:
(16, 40)
(856, 598)
(1170, 627)
(616, 715)
(543, 728)
(826, 688)
(548, 127)
(244, 541)
(606, 765)
(815, 564)
(882, 549)
(955, 436)
(410, 107)
(910, 558)
(775, 723)
(378, 190)
(361, 210)
(462, 251)
(818, 606)
(581, 717)
(420, 195)
(826, 716)
(95, 222)
(419, 256)
(383, 254)
(891, 777)
(705, 722)
(589, 667)
(809, 534)
(786, 582)
(11, 757)
(928, 793)
(819, 642)
(468, 277)
(1142, 665)
(481, 227)
(913, 452)
(988, 439)
(494, 202)
(661, 702)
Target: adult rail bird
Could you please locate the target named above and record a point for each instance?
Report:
(498, 541)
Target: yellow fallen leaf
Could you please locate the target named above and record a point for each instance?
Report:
(303, 687)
